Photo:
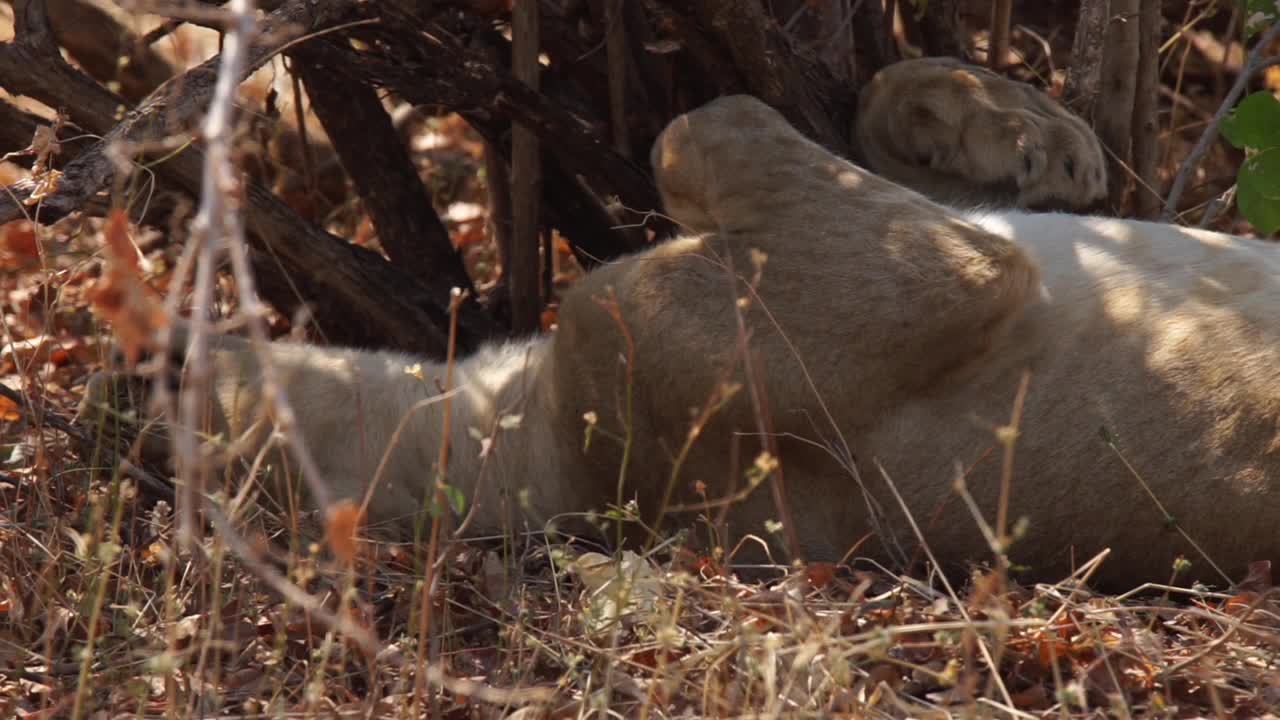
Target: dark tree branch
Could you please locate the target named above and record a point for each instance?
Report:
(942, 30)
(371, 301)
(98, 39)
(571, 207)
(868, 23)
(439, 73)
(402, 313)
(432, 71)
(84, 101)
(577, 212)
(802, 90)
(18, 128)
(30, 66)
(399, 205)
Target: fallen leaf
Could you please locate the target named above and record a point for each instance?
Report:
(121, 297)
(616, 587)
(819, 574)
(20, 240)
(9, 410)
(1033, 698)
(342, 529)
(1258, 579)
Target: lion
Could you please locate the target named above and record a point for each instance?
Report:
(825, 353)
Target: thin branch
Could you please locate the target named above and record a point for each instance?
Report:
(217, 223)
(1254, 63)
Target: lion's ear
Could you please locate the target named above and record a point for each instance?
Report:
(680, 174)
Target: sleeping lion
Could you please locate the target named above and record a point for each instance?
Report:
(871, 340)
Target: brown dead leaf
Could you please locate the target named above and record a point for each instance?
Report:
(703, 566)
(819, 574)
(20, 241)
(342, 529)
(1035, 697)
(1271, 77)
(9, 410)
(1258, 579)
(121, 297)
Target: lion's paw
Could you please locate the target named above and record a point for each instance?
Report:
(962, 134)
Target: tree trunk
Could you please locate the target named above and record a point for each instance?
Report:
(523, 274)
(1113, 116)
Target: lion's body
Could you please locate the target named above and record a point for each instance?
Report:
(877, 318)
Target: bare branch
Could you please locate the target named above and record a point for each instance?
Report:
(217, 224)
(86, 102)
(167, 113)
(98, 36)
(333, 275)
(398, 203)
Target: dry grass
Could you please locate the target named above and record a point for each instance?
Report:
(101, 610)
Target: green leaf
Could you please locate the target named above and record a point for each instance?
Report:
(1259, 15)
(1258, 190)
(456, 499)
(1254, 123)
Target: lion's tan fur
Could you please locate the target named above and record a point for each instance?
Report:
(880, 319)
(960, 133)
